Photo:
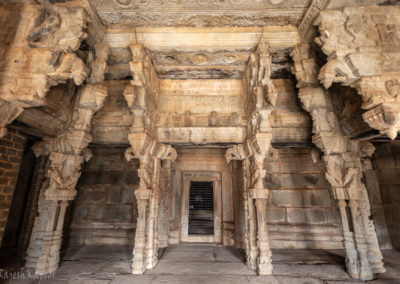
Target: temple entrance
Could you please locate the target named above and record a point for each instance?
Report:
(201, 208)
(201, 204)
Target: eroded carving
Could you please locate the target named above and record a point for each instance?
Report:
(362, 49)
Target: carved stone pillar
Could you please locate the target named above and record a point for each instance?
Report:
(260, 194)
(260, 99)
(344, 176)
(142, 197)
(250, 217)
(67, 153)
(343, 167)
(156, 190)
(62, 173)
(151, 220)
(146, 239)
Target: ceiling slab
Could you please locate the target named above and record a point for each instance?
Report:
(199, 13)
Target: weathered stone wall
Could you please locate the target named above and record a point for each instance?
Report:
(11, 152)
(387, 166)
(301, 212)
(104, 210)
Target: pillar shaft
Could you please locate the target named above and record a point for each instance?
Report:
(140, 238)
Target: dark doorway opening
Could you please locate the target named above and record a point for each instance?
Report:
(201, 208)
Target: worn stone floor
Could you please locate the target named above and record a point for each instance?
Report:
(205, 264)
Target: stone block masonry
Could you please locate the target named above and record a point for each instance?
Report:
(11, 150)
(301, 209)
(104, 210)
(387, 166)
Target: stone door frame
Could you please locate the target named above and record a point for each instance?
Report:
(215, 177)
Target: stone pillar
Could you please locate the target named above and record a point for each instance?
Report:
(260, 194)
(151, 227)
(67, 153)
(164, 203)
(44, 248)
(343, 166)
(260, 98)
(142, 197)
(250, 219)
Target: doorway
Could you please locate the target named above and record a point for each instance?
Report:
(201, 208)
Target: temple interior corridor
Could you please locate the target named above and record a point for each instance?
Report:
(200, 141)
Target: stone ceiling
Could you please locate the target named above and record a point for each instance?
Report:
(203, 39)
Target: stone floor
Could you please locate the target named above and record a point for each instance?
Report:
(205, 264)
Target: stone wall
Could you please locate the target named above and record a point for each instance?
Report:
(11, 152)
(301, 212)
(387, 166)
(104, 210)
